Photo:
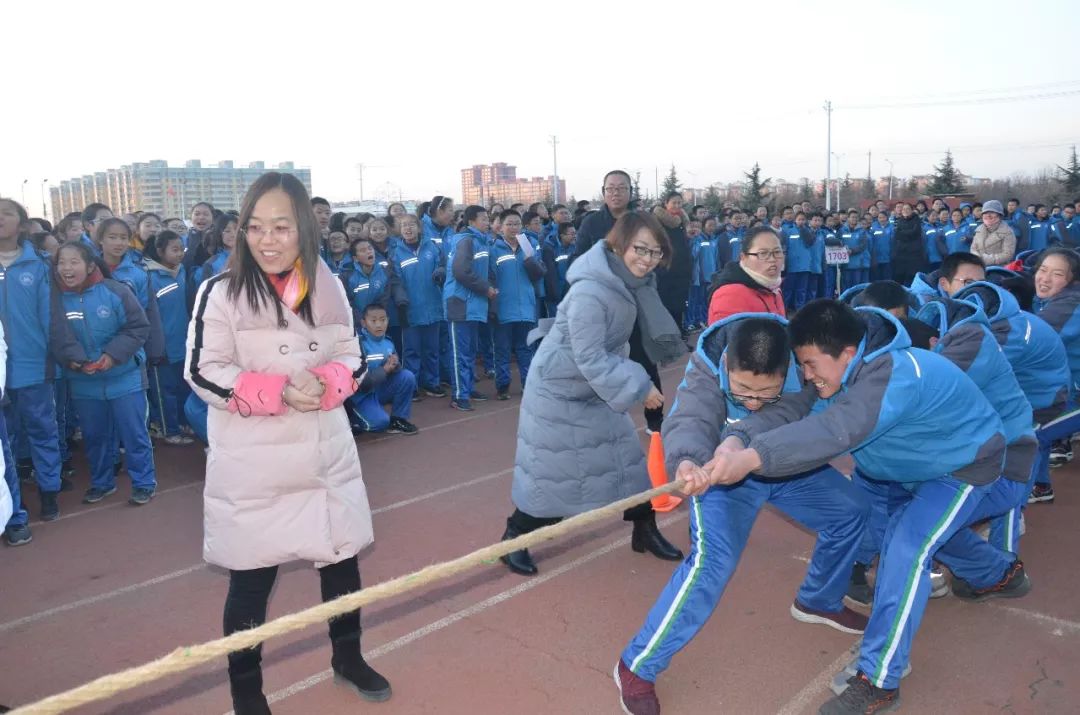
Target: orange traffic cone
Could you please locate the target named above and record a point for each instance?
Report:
(658, 475)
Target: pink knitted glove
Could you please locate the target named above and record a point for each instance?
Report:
(258, 394)
(338, 381)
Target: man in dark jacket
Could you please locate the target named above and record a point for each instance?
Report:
(908, 247)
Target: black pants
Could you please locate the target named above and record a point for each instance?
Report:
(653, 418)
(524, 523)
(249, 592)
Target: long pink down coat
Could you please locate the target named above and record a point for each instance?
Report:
(278, 488)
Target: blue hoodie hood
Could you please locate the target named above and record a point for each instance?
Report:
(996, 302)
(944, 314)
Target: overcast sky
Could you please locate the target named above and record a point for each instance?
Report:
(419, 91)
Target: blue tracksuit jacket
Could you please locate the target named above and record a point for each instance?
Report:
(171, 298)
(421, 271)
(25, 309)
(1062, 313)
(469, 274)
(516, 277)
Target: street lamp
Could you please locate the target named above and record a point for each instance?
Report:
(24, 182)
(889, 162)
(838, 157)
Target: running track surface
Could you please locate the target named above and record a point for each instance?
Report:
(111, 586)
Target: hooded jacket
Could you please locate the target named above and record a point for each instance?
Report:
(439, 235)
(422, 273)
(25, 312)
(516, 277)
(881, 241)
(469, 275)
(896, 406)
(170, 294)
(925, 286)
(734, 291)
(1062, 312)
(703, 405)
(966, 340)
(799, 244)
(102, 317)
(1031, 346)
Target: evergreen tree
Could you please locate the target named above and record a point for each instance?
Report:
(912, 187)
(712, 201)
(845, 193)
(869, 188)
(755, 189)
(1070, 175)
(806, 192)
(671, 182)
(946, 179)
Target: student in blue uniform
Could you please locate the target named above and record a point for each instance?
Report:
(817, 258)
(696, 295)
(1039, 230)
(742, 365)
(99, 338)
(931, 228)
(957, 271)
(556, 259)
(1039, 360)
(468, 290)
(1057, 301)
(857, 241)
(956, 234)
(830, 237)
(219, 241)
(419, 264)
(518, 269)
(881, 232)
(365, 280)
(25, 309)
(126, 266)
(437, 225)
(799, 245)
(337, 251)
(169, 391)
(385, 381)
(905, 415)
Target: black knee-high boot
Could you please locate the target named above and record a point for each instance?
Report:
(348, 663)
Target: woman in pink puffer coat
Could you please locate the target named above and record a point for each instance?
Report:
(273, 352)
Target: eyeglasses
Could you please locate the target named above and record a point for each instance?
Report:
(774, 255)
(614, 190)
(278, 232)
(645, 252)
(743, 399)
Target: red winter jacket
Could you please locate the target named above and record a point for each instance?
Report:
(736, 292)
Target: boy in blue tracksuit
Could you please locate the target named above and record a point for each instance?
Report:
(695, 236)
(817, 258)
(437, 225)
(956, 234)
(385, 380)
(907, 416)
(419, 263)
(468, 290)
(965, 339)
(556, 257)
(881, 232)
(930, 238)
(168, 283)
(30, 410)
(800, 244)
(98, 333)
(1039, 229)
(518, 270)
(856, 239)
(742, 366)
(366, 281)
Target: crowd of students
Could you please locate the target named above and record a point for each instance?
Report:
(96, 314)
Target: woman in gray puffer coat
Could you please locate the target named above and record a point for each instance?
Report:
(577, 448)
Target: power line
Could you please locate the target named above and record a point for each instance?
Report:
(967, 93)
(957, 102)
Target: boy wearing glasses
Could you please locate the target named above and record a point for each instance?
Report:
(743, 365)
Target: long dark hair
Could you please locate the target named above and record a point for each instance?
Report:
(212, 239)
(247, 278)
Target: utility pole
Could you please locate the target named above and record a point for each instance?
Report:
(656, 181)
(360, 168)
(890, 177)
(554, 169)
(828, 154)
(24, 182)
(44, 213)
(838, 174)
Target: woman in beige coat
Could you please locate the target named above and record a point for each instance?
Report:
(273, 352)
(994, 240)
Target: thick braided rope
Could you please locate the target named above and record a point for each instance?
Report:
(189, 657)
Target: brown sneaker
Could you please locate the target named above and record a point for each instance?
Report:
(844, 620)
(636, 695)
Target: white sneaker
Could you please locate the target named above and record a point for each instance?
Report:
(179, 440)
(938, 586)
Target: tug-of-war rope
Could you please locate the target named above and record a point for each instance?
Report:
(189, 657)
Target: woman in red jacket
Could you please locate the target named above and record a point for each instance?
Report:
(752, 285)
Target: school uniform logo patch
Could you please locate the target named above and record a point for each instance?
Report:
(103, 311)
(27, 279)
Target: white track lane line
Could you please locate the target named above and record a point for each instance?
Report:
(1058, 626)
(472, 610)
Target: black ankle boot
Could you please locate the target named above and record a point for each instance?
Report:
(247, 694)
(352, 670)
(647, 537)
(520, 562)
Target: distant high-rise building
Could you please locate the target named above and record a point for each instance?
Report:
(485, 185)
(169, 191)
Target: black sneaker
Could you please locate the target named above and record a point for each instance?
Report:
(141, 497)
(1013, 584)
(1061, 453)
(862, 698)
(67, 469)
(400, 426)
(1041, 493)
(25, 470)
(478, 396)
(18, 535)
(50, 509)
(94, 495)
(859, 589)
(504, 394)
(462, 405)
(436, 391)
